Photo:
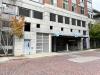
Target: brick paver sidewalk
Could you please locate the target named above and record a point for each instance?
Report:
(56, 65)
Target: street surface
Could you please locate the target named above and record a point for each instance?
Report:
(86, 63)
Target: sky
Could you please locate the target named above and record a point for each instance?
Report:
(96, 4)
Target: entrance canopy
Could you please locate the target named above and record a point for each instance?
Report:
(73, 34)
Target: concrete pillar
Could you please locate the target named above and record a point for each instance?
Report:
(50, 43)
(67, 47)
(81, 44)
(33, 42)
(31, 13)
(88, 42)
(18, 46)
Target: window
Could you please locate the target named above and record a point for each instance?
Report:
(37, 14)
(60, 19)
(27, 26)
(84, 32)
(89, 4)
(38, 25)
(90, 13)
(51, 27)
(73, 7)
(78, 22)
(52, 17)
(74, 1)
(82, 10)
(62, 29)
(73, 21)
(65, 4)
(67, 20)
(82, 1)
(9, 8)
(5, 23)
(24, 12)
(71, 30)
(53, 2)
(83, 24)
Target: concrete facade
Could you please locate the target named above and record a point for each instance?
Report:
(45, 7)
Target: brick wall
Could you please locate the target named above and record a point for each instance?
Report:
(60, 3)
(77, 6)
(46, 1)
(70, 5)
(86, 10)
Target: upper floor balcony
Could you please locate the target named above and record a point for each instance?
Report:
(9, 9)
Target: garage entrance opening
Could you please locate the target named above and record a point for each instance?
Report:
(65, 43)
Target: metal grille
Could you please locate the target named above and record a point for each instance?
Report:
(42, 42)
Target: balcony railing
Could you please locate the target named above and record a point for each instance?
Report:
(9, 9)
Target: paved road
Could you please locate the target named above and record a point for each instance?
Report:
(87, 63)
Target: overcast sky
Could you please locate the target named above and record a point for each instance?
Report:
(96, 4)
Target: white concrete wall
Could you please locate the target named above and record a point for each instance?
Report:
(18, 46)
(45, 24)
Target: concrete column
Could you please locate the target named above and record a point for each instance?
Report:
(31, 13)
(63, 20)
(88, 42)
(33, 42)
(81, 44)
(17, 11)
(18, 46)
(50, 43)
(67, 47)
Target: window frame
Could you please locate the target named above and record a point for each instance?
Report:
(67, 20)
(28, 24)
(60, 19)
(73, 21)
(65, 4)
(83, 23)
(22, 11)
(78, 22)
(37, 14)
(53, 17)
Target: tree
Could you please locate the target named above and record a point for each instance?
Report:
(17, 26)
(6, 36)
(15, 29)
(95, 33)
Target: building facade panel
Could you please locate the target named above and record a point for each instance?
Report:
(46, 1)
(78, 6)
(86, 9)
(46, 26)
(70, 5)
(60, 3)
